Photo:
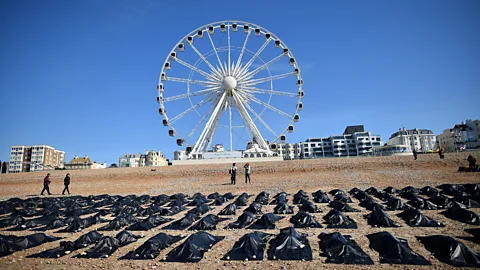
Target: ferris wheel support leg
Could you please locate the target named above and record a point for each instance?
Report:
(256, 133)
(208, 126)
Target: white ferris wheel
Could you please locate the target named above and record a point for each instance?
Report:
(232, 83)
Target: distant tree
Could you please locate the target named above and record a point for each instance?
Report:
(113, 165)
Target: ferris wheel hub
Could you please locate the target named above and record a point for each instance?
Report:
(229, 83)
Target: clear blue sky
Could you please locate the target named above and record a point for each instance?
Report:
(81, 75)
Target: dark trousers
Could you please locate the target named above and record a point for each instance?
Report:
(47, 188)
(66, 189)
(247, 177)
(233, 178)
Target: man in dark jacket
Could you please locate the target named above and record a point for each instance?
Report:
(46, 184)
(66, 182)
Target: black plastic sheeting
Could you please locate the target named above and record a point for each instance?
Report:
(429, 191)
(149, 223)
(414, 218)
(251, 246)
(453, 189)
(10, 243)
(475, 232)
(262, 198)
(152, 247)
(467, 201)
(462, 215)
(448, 250)
(320, 196)
(336, 219)
(394, 204)
(254, 208)
(304, 220)
(394, 250)
(193, 249)
(371, 204)
(290, 245)
(310, 207)
(300, 197)
(66, 247)
(379, 218)
(279, 199)
(342, 249)
(422, 204)
(229, 210)
(107, 245)
(267, 221)
(209, 222)
(344, 207)
(283, 209)
(243, 221)
(183, 223)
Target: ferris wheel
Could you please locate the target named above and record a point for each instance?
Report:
(230, 82)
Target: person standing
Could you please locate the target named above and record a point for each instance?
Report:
(233, 174)
(46, 184)
(247, 172)
(471, 162)
(415, 154)
(66, 182)
(441, 153)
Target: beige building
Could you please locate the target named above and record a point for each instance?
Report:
(81, 163)
(35, 158)
(152, 158)
(464, 136)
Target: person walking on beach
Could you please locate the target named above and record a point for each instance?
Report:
(46, 184)
(66, 182)
(247, 172)
(233, 174)
(415, 154)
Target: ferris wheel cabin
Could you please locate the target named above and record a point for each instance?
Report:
(179, 142)
(277, 43)
(234, 27)
(290, 128)
(296, 117)
(171, 132)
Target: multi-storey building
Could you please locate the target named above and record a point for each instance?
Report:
(354, 142)
(289, 150)
(461, 137)
(35, 158)
(130, 160)
(155, 159)
(421, 140)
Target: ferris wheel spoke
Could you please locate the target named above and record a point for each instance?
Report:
(239, 60)
(257, 136)
(205, 60)
(196, 93)
(250, 62)
(189, 81)
(260, 119)
(229, 64)
(260, 68)
(216, 51)
(266, 79)
(272, 108)
(256, 90)
(214, 104)
(198, 105)
(194, 68)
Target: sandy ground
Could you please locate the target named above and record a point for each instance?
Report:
(272, 177)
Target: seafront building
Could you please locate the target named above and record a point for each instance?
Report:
(84, 163)
(464, 136)
(149, 159)
(355, 141)
(35, 158)
(421, 140)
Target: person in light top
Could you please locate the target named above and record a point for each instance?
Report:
(248, 170)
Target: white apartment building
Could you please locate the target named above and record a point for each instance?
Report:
(289, 150)
(35, 158)
(130, 160)
(461, 137)
(422, 140)
(354, 142)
